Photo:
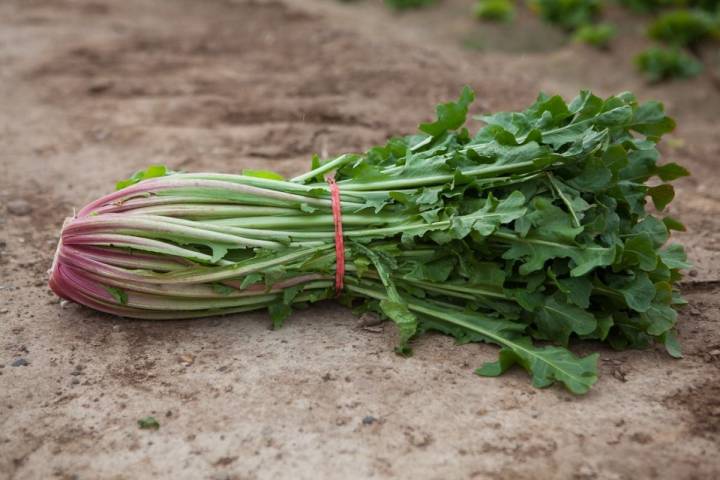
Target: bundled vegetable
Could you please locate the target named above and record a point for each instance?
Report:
(534, 229)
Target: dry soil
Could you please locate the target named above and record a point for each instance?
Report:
(92, 90)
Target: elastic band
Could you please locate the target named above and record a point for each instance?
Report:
(339, 242)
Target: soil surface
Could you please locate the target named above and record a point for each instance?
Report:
(92, 90)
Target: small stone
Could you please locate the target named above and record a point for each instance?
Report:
(641, 438)
(693, 273)
(715, 353)
(20, 362)
(100, 86)
(186, 359)
(369, 320)
(19, 207)
(369, 420)
(586, 472)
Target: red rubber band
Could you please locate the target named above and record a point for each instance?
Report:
(339, 242)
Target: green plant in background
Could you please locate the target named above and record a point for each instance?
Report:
(653, 6)
(647, 6)
(495, 10)
(569, 14)
(691, 23)
(684, 27)
(598, 35)
(667, 63)
(407, 4)
(707, 5)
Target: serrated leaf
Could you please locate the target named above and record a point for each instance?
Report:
(577, 289)
(534, 252)
(557, 319)
(546, 365)
(451, 115)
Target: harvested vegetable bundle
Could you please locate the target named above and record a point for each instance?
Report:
(533, 229)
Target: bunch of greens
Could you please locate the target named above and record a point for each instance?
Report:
(660, 64)
(568, 14)
(407, 4)
(530, 235)
(495, 10)
(598, 35)
(685, 28)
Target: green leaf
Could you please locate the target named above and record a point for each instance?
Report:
(488, 219)
(660, 317)
(546, 365)
(595, 177)
(218, 252)
(638, 292)
(279, 312)
(222, 289)
(671, 171)
(674, 256)
(661, 195)
(557, 319)
(533, 252)
(148, 423)
(577, 289)
(153, 171)
(405, 321)
(118, 294)
(639, 250)
(250, 279)
(654, 228)
(451, 115)
(270, 175)
(674, 224)
(672, 345)
(394, 306)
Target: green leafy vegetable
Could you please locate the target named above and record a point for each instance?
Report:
(407, 4)
(148, 423)
(569, 14)
(495, 10)
(684, 27)
(667, 63)
(535, 229)
(598, 35)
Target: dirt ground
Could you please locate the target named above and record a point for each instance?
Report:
(92, 90)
